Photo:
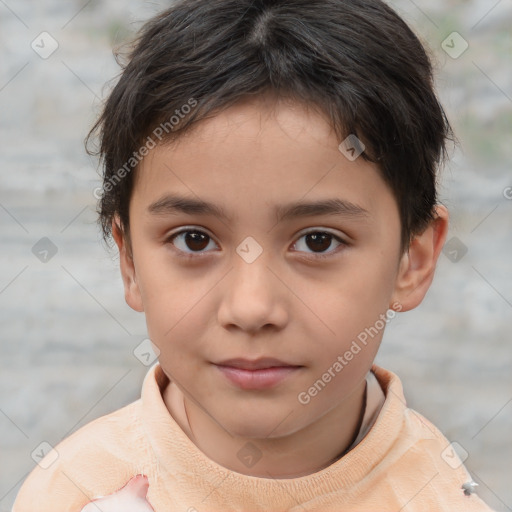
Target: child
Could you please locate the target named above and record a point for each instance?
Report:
(270, 182)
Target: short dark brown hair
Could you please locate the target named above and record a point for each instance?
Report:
(356, 60)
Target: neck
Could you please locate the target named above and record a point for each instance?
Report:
(297, 454)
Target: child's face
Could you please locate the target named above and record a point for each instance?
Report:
(206, 300)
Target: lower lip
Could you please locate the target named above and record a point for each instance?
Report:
(257, 379)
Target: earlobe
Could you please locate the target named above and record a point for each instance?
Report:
(132, 293)
(418, 264)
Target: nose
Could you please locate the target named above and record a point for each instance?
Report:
(253, 297)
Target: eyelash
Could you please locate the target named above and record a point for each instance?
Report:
(316, 256)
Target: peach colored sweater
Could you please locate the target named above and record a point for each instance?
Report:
(398, 465)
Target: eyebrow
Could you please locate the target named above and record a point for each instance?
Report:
(172, 204)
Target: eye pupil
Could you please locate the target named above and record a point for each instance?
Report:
(319, 241)
(196, 240)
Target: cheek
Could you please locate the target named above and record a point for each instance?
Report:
(354, 297)
(352, 307)
(175, 305)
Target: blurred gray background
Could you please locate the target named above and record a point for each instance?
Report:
(67, 336)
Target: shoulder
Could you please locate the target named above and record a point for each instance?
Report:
(439, 464)
(421, 458)
(97, 459)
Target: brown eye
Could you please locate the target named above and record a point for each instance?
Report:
(190, 241)
(318, 242)
(196, 240)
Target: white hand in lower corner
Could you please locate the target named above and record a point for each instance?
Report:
(131, 498)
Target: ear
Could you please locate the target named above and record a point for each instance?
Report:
(132, 293)
(418, 264)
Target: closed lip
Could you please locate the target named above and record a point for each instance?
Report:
(257, 364)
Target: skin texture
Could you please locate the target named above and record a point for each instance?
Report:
(206, 306)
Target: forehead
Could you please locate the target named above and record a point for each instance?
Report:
(262, 117)
(280, 126)
(258, 153)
